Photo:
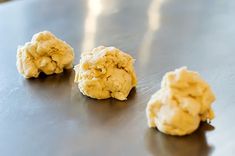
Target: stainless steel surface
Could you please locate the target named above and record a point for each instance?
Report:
(49, 116)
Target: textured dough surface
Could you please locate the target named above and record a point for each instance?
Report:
(182, 102)
(105, 72)
(45, 53)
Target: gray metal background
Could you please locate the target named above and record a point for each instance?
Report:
(48, 116)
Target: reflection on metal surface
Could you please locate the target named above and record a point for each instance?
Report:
(94, 10)
(153, 26)
(110, 7)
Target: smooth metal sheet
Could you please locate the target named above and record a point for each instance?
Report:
(50, 117)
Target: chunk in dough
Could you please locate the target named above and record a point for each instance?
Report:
(45, 53)
(182, 102)
(105, 72)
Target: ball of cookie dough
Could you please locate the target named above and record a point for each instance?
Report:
(105, 72)
(182, 102)
(45, 53)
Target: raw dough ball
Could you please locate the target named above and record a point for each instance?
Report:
(105, 72)
(182, 102)
(45, 53)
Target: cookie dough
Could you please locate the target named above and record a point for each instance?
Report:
(105, 72)
(182, 102)
(45, 53)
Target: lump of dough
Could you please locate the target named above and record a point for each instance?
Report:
(45, 53)
(105, 72)
(182, 102)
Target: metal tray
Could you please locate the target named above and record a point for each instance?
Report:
(49, 116)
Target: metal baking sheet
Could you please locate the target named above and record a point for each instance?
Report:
(49, 116)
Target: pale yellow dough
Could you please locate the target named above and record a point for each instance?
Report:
(182, 102)
(45, 53)
(105, 72)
